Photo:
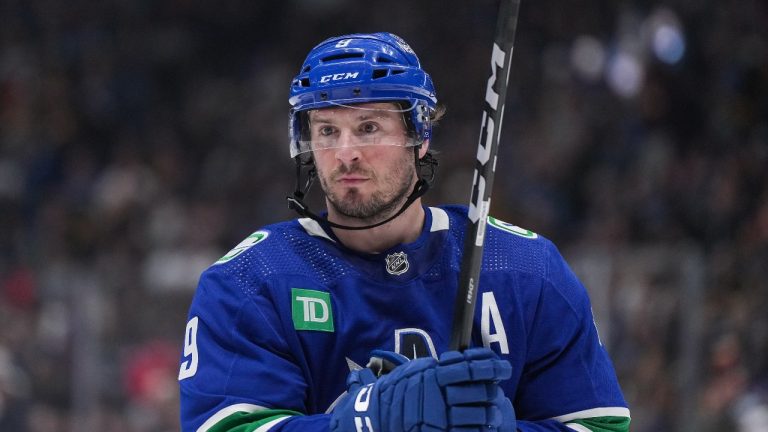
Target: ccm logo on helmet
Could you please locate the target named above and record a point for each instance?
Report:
(338, 76)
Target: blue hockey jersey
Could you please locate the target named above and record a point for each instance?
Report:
(278, 322)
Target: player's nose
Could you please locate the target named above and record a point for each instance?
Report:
(348, 147)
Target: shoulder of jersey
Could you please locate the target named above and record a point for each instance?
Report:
(508, 228)
(508, 246)
(265, 238)
(459, 214)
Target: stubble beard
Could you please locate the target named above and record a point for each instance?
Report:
(393, 189)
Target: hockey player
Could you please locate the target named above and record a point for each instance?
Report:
(280, 326)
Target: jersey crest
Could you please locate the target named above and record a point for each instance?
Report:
(414, 343)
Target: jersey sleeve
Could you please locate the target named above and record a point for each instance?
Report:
(568, 380)
(236, 369)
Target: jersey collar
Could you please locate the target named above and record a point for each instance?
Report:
(420, 254)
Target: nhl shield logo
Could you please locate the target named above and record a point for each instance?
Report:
(397, 263)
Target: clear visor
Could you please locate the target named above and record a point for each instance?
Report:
(358, 125)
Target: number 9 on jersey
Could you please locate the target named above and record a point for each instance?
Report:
(189, 366)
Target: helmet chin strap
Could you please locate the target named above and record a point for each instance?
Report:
(296, 201)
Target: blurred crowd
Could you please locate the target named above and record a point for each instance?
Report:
(140, 140)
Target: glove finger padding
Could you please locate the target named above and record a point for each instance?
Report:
(469, 393)
(476, 364)
(470, 381)
(403, 395)
(435, 413)
(458, 393)
(507, 413)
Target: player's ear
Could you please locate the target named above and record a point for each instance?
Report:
(424, 148)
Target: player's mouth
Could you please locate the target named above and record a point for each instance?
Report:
(351, 180)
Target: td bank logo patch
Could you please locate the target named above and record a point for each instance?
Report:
(311, 310)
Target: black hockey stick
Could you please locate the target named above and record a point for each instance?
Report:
(485, 166)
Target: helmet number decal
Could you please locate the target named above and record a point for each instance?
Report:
(343, 43)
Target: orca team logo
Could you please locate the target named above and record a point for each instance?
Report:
(397, 263)
(244, 245)
(513, 229)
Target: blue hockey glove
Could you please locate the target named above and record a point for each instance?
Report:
(459, 393)
(383, 362)
(471, 383)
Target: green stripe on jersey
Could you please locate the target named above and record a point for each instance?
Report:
(604, 424)
(249, 422)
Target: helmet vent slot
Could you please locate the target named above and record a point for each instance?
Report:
(342, 56)
(304, 82)
(379, 73)
(385, 59)
(397, 71)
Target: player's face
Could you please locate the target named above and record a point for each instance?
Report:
(363, 162)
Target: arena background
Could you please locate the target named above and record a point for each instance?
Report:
(141, 140)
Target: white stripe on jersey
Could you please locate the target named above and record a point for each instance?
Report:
(228, 411)
(594, 412)
(314, 229)
(267, 426)
(577, 427)
(439, 219)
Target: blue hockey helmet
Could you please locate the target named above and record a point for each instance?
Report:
(361, 68)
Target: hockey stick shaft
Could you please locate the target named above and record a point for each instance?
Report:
(485, 166)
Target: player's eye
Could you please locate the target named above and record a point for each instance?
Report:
(369, 128)
(326, 131)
